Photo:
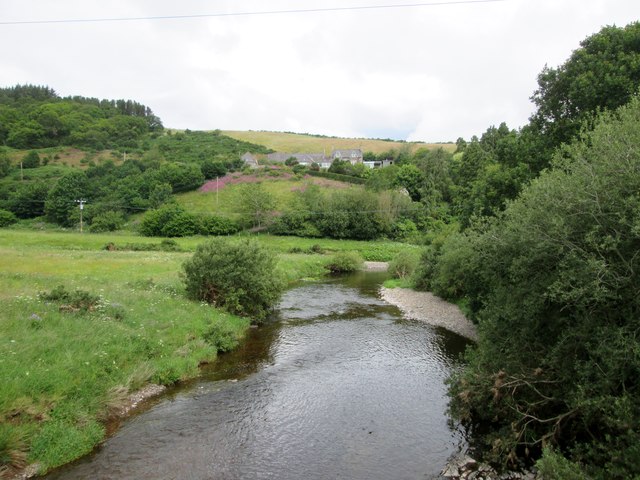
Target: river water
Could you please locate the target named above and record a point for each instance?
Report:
(338, 387)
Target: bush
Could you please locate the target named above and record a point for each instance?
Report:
(78, 300)
(169, 221)
(107, 222)
(181, 225)
(31, 160)
(345, 262)
(553, 466)
(214, 225)
(239, 276)
(554, 283)
(221, 336)
(403, 229)
(7, 218)
(404, 264)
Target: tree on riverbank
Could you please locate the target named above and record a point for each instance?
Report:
(554, 285)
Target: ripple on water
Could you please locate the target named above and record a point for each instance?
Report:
(340, 388)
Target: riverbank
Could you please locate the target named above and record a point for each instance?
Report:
(67, 372)
(428, 308)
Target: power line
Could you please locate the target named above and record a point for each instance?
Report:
(247, 14)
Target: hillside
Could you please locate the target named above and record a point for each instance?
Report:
(303, 143)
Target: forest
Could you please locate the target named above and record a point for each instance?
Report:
(534, 231)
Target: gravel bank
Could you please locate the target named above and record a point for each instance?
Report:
(426, 307)
(376, 266)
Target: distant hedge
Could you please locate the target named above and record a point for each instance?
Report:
(338, 176)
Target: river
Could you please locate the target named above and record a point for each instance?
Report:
(338, 386)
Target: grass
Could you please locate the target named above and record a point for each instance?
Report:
(300, 143)
(227, 198)
(64, 372)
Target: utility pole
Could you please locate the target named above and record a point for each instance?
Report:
(217, 191)
(21, 174)
(81, 202)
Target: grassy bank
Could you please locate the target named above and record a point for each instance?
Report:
(64, 371)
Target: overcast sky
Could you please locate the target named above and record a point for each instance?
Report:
(432, 73)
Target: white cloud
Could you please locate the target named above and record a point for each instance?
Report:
(423, 73)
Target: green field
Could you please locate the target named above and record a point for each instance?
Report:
(64, 372)
(226, 200)
(300, 143)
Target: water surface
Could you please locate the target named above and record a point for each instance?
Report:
(338, 386)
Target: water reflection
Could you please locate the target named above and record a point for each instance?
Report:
(338, 386)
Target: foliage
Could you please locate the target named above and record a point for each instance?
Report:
(239, 276)
(31, 160)
(107, 222)
(36, 117)
(221, 336)
(170, 221)
(78, 300)
(554, 466)
(205, 148)
(554, 285)
(216, 225)
(5, 163)
(345, 262)
(181, 176)
(351, 213)
(214, 169)
(256, 204)
(603, 74)
(27, 200)
(337, 176)
(404, 264)
(7, 218)
(62, 198)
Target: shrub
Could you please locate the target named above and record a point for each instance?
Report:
(553, 466)
(239, 276)
(344, 262)
(78, 300)
(403, 229)
(404, 264)
(107, 222)
(7, 218)
(181, 225)
(221, 336)
(169, 221)
(31, 160)
(214, 225)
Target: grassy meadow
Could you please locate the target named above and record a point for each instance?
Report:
(64, 371)
(226, 200)
(300, 143)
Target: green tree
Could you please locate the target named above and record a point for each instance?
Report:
(31, 160)
(603, 74)
(181, 176)
(5, 164)
(7, 218)
(240, 276)
(28, 200)
(410, 177)
(256, 204)
(62, 199)
(554, 282)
